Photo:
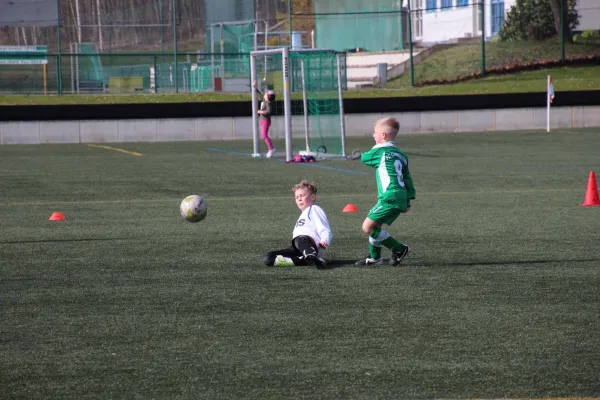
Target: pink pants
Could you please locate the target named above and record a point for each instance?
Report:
(265, 124)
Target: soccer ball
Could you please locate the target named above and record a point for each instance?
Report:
(193, 208)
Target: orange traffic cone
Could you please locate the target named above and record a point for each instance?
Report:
(591, 195)
(56, 217)
(350, 208)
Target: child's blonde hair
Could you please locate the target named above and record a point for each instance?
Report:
(305, 184)
(391, 125)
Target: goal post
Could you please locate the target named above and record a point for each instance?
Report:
(312, 83)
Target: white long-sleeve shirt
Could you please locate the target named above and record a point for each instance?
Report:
(313, 222)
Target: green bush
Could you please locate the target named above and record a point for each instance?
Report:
(533, 20)
(587, 36)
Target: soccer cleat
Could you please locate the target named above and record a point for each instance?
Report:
(369, 261)
(271, 152)
(398, 256)
(316, 260)
(281, 261)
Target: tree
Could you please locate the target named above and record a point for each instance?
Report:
(536, 20)
(557, 7)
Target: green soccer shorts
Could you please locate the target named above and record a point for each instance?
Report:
(383, 213)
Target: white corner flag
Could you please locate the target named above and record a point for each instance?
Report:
(549, 98)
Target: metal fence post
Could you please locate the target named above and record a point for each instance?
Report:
(58, 57)
(57, 75)
(410, 47)
(175, 74)
(564, 19)
(482, 37)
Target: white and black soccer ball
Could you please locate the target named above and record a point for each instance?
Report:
(193, 208)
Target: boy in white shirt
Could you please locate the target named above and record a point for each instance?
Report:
(311, 233)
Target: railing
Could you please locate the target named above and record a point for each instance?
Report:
(129, 73)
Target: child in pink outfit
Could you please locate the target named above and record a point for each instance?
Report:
(266, 109)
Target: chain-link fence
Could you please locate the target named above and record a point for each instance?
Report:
(154, 46)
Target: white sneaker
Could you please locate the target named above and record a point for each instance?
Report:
(270, 152)
(369, 261)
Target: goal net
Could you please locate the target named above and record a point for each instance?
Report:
(309, 111)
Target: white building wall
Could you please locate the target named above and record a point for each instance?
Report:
(444, 25)
(458, 22)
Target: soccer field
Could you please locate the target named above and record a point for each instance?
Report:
(500, 296)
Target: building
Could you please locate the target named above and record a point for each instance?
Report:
(438, 21)
(359, 24)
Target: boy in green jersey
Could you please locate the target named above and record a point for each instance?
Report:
(395, 191)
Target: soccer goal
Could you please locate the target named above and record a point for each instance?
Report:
(311, 115)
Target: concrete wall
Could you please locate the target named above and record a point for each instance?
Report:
(361, 68)
(156, 130)
(374, 58)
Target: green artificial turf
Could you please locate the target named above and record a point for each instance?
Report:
(124, 299)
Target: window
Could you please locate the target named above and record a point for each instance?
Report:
(417, 16)
(462, 3)
(431, 5)
(497, 15)
(446, 5)
(477, 14)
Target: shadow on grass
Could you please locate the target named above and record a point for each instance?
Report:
(331, 264)
(62, 240)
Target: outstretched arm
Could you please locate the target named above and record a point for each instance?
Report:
(256, 88)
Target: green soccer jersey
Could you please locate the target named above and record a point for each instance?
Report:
(394, 183)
